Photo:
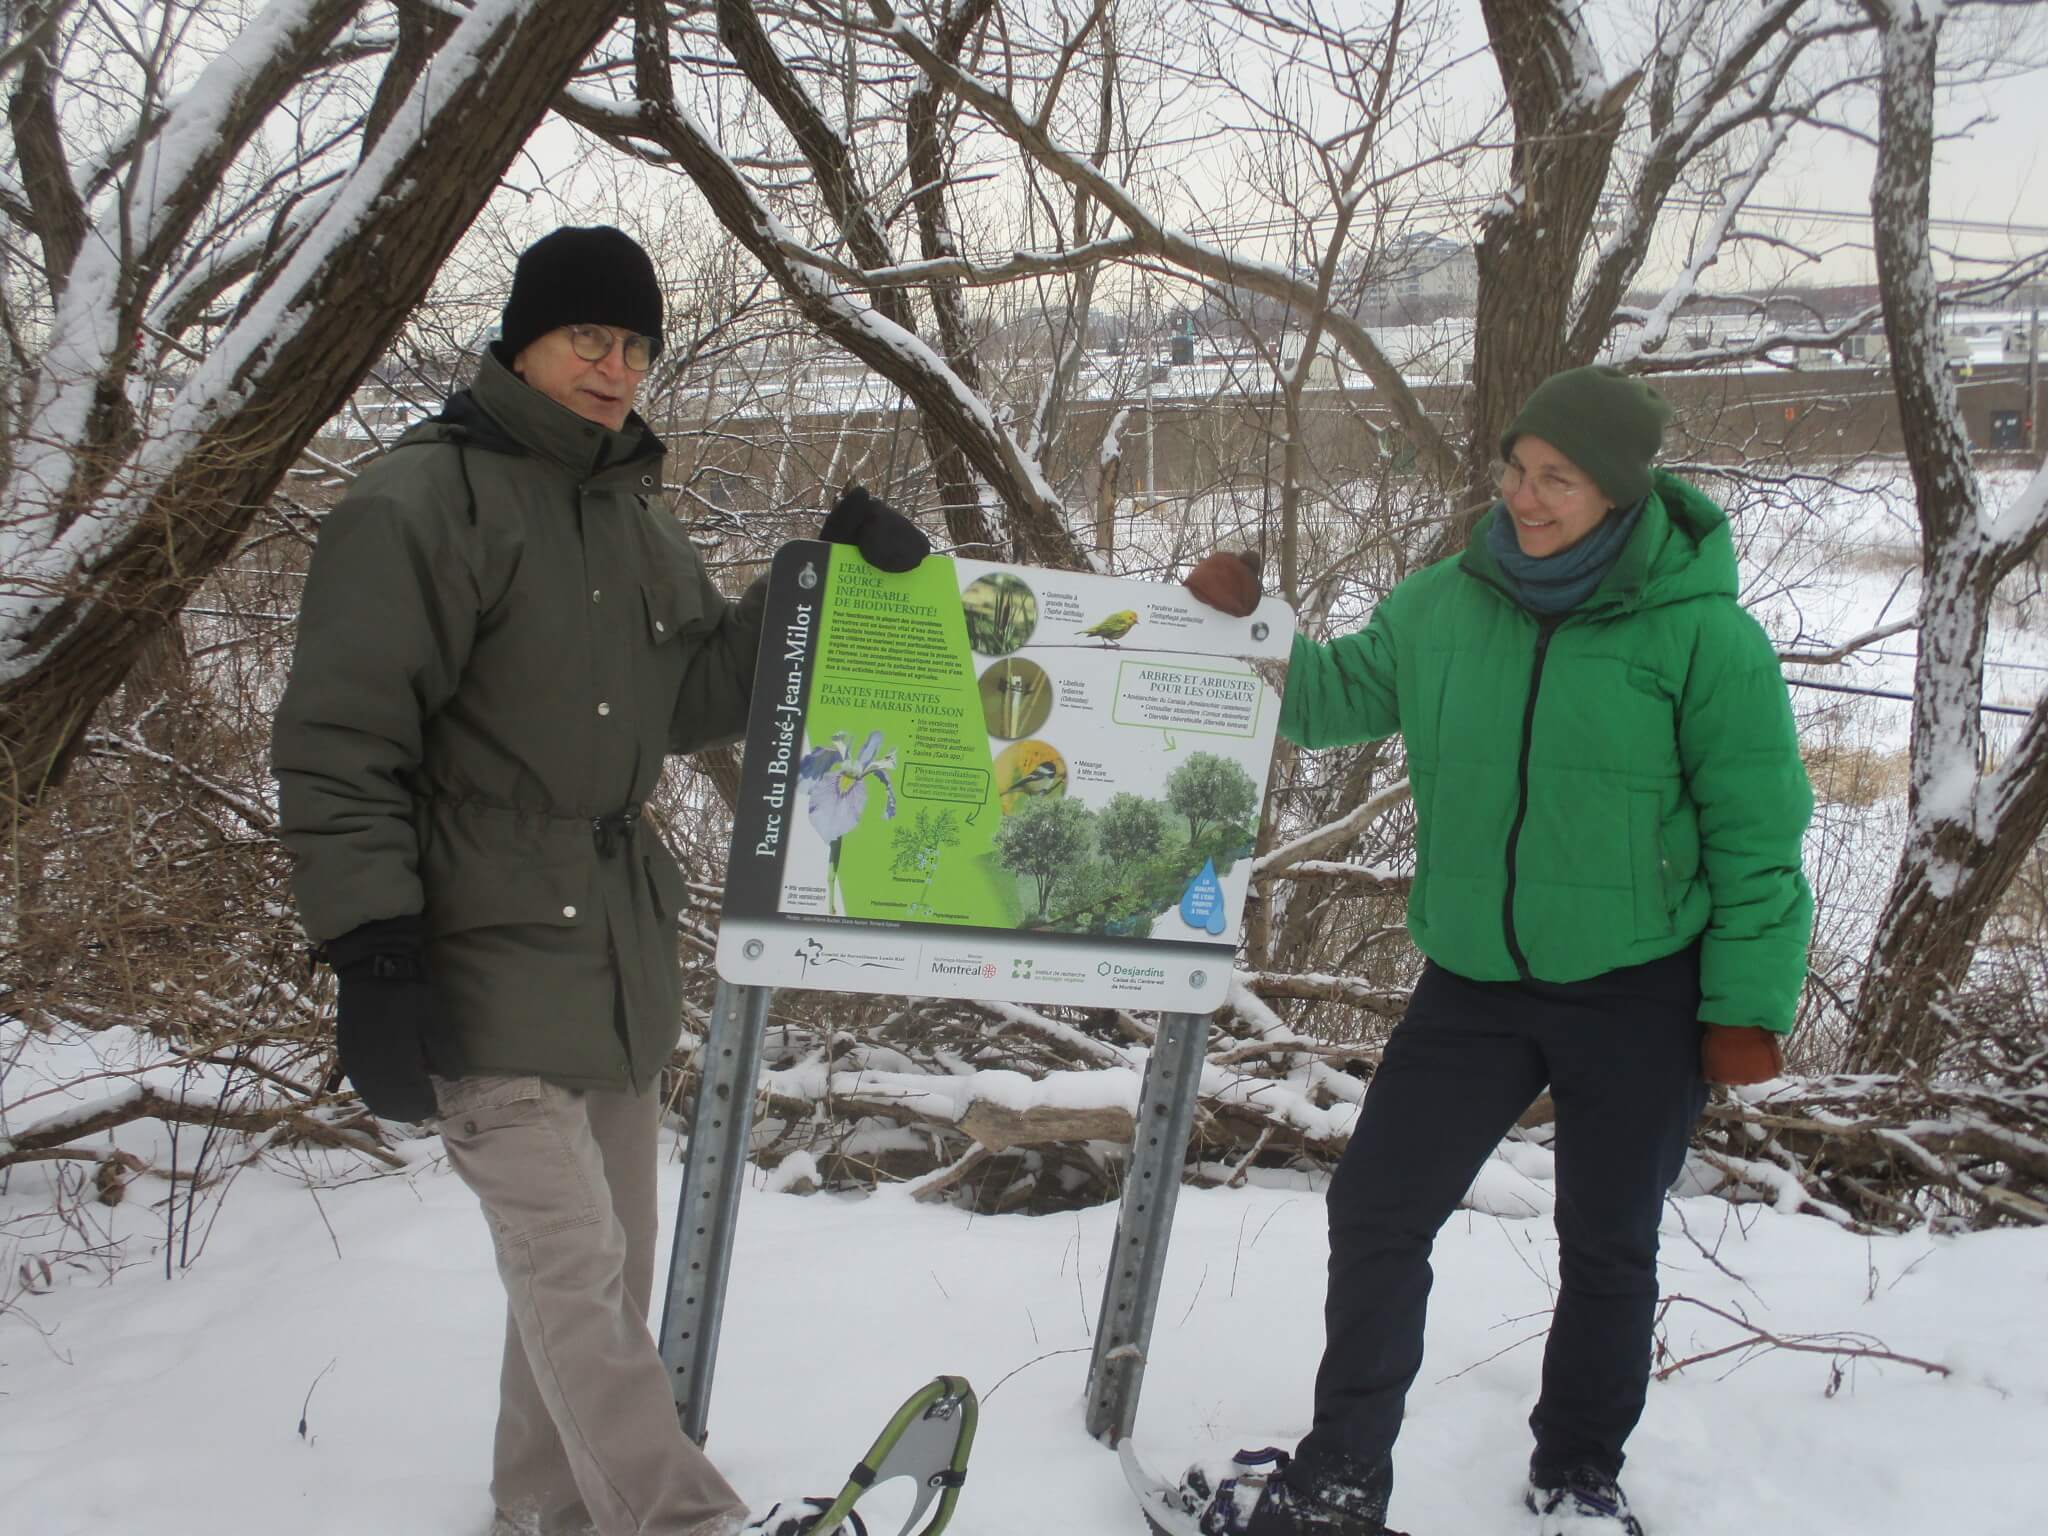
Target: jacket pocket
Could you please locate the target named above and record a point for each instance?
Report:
(665, 882)
(479, 893)
(672, 611)
(487, 1100)
(1423, 797)
(1648, 865)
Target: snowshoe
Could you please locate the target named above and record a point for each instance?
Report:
(928, 1441)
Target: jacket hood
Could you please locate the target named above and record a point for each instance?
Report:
(1681, 549)
(501, 413)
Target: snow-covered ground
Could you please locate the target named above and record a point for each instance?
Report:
(162, 1407)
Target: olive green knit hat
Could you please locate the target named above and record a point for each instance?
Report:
(1607, 423)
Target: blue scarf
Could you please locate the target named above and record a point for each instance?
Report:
(1558, 583)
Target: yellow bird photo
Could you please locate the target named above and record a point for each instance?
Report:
(1113, 628)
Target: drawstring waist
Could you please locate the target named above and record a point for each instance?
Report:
(612, 832)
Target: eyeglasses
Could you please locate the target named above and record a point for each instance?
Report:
(1552, 489)
(594, 343)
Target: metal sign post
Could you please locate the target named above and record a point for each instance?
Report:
(1130, 1297)
(714, 1173)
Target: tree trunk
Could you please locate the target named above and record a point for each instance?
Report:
(1531, 238)
(1967, 833)
(929, 163)
(175, 509)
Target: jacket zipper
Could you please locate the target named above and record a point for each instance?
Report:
(1545, 628)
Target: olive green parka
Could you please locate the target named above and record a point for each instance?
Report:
(1596, 789)
(502, 637)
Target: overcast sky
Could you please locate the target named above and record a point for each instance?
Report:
(1994, 174)
(1991, 169)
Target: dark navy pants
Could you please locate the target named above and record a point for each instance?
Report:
(1620, 1055)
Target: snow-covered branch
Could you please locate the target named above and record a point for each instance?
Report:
(140, 1101)
(1744, 80)
(1320, 840)
(1850, 646)
(1656, 325)
(108, 523)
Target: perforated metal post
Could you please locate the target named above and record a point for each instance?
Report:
(1123, 1332)
(714, 1172)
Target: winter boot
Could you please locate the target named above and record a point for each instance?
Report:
(1581, 1502)
(1266, 1493)
(799, 1517)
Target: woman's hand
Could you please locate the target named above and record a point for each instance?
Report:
(1739, 1054)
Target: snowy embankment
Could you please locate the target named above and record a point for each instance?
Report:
(160, 1407)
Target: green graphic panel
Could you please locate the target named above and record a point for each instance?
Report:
(893, 658)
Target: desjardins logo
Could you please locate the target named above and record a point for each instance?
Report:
(1130, 972)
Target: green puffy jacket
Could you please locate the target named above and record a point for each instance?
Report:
(500, 642)
(1593, 790)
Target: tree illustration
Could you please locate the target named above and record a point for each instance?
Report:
(1208, 789)
(915, 850)
(1088, 891)
(1044, 840)
(1130, 828)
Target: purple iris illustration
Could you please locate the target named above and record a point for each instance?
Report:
(839, 792)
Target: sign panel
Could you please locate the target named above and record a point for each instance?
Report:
(992, 781)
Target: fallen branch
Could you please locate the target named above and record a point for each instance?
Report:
(1838, 1345)
(141, 1102)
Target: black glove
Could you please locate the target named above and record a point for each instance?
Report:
(386, 1007)
(886, 539)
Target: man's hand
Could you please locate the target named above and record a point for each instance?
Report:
(886, 539)
(1740, 1054)
(386, 1007)
(1227, 580)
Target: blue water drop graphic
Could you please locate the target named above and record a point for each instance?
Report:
(1201, 904)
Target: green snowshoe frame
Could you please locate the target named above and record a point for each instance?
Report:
(928, 1441)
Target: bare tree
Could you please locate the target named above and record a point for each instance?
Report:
(826, 243)
(203, 300)
(1971, 825)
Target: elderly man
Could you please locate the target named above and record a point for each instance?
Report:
(502, 637)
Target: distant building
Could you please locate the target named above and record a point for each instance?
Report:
(1419, 271)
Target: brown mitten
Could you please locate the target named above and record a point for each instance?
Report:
(1738, 1053)
(1227, 580)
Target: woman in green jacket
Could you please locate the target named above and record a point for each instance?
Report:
(1609, 807)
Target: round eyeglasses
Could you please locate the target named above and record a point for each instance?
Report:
(594, 343)
(1552, 489)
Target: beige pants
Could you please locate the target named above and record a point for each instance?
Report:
(587, 1432)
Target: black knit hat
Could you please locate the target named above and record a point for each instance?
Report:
(1607, 423)
(580, 275)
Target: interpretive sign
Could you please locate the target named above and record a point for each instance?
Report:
(978, 780)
